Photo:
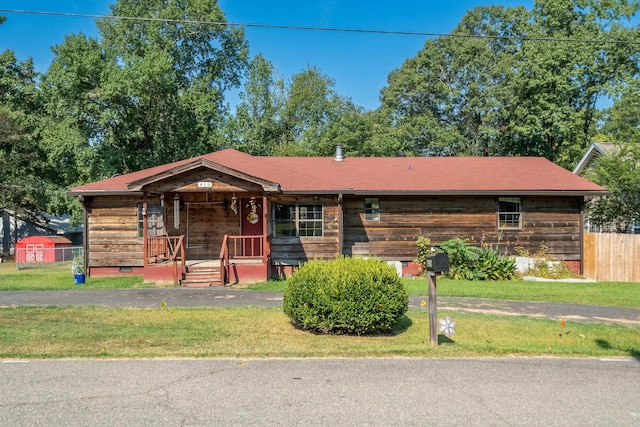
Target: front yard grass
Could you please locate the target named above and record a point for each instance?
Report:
(59, 277)
(602, 293)
(97, 332)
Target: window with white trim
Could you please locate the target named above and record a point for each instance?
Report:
(155, 226)
(297, 220)
(371, 209)
(509, 213)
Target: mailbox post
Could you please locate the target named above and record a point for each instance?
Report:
(436, 263)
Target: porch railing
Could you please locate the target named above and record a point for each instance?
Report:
(167, 249)
(246, 246)
(239, 247)
(224, 261)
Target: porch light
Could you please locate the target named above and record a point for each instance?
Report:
(176, 211)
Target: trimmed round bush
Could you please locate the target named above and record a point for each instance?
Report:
(345, 296)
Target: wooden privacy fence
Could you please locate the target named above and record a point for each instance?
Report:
(610, 257)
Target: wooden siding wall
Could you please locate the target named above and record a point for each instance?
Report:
(552, 221)
(612, 257)
(291, 251)
(113, 232)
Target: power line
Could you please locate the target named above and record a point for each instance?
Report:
(327, 29)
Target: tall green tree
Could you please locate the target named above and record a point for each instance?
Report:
(312, 104)
(509, 81)
(22, 177)
(151, 88)
(302, 117)
(256, 127)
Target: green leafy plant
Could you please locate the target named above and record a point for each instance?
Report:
(424, 250)
(345, 295)
(462, 259)
(77, 266)
(468, 262)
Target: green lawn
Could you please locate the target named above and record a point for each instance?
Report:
(59, 277)
(65, 332)
(90, 332)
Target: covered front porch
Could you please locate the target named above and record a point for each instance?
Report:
(204, 223)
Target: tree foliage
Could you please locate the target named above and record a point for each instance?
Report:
(621, 122)
(514, 81)
(150, 91)
(302, 117)
(619, 172)
(256, 127)
(22, 161)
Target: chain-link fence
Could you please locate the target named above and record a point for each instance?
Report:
(36, 256)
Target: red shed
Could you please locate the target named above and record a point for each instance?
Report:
(42, 249)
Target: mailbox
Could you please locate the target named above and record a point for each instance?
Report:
(438, 263)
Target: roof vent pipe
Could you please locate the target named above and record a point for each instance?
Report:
(339, 157)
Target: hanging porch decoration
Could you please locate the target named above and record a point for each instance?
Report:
(253, 206)
(176, 211)
(234, 204)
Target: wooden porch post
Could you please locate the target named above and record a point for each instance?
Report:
(144, 229)
(85, 234)
(266, 252)
(582, 236)
(340, 225)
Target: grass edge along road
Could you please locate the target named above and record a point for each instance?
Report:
(617, 294)
(98, 332)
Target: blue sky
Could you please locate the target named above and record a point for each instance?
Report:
(359, 63)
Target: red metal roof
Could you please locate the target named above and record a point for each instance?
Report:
(47, 241)
(381, 175)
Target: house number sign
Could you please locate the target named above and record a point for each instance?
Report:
(204, 184)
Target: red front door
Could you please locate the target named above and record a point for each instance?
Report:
(252, 225)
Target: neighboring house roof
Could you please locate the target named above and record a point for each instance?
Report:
(49, 223)
(596, 149)
(369, 175)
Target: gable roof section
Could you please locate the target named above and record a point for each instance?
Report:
(372, 175)
(596, 149)
(138, 185)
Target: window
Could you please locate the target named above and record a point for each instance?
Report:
(509, 213)
(372, 209)
(155, 226)
(297, 220)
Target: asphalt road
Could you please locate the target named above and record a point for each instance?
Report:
(321, 392)
(318, 392)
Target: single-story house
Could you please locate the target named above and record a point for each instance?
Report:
(228, 216)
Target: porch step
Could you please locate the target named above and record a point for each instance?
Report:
(201, 277)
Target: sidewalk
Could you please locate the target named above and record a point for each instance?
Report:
(223, 297)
